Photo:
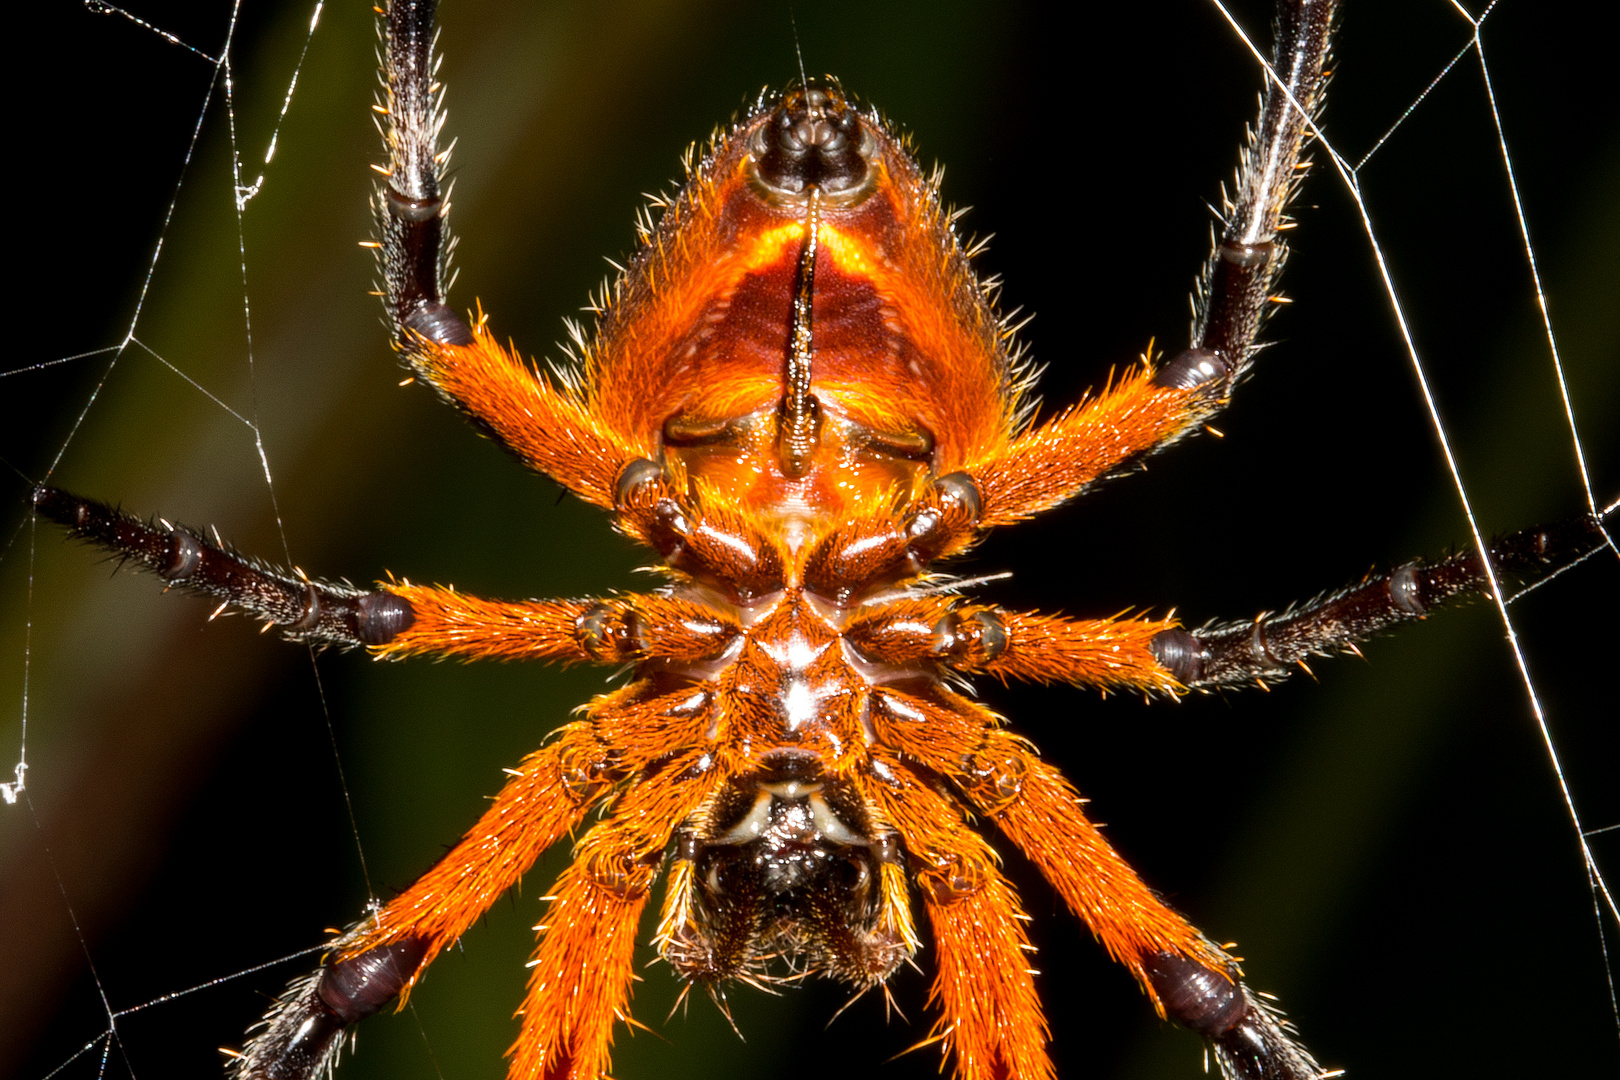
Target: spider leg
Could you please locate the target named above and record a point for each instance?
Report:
(413, 253)
(579, 986)
(549, 428)
(1152, 408)
(1273, 646)
(321, 612)
(382, 957)
(545, 426)
(1158, 655)
(1188, 978)
(615, 631)
(1109, 654)
(990, 1015)
(1093, 439)
(397, 619)
(628, 731)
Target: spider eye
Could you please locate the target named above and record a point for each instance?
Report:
(813, 138)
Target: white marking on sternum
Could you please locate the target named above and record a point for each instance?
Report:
(799, 704)
(800, 698)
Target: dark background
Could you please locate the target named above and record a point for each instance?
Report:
(1387, 844)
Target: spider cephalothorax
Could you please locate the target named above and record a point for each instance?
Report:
(800, 396)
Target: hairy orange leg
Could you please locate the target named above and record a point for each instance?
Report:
(1059, 459)
(580, 983)
(1042, 813)
(990, 1016)
(550, 429)
(615, 631)
(546, 797)
(450, 623)
(1109, 654)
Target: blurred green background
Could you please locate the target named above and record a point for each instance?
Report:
(1387, 846)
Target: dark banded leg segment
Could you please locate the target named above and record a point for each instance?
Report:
(1250, 1039)
(414, 238)
(302, 1035)
(321, 612)
(1272, 647)
(1235, 288)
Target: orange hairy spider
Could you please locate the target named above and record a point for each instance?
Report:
(800, 396)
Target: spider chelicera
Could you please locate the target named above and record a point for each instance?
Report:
(790, 777)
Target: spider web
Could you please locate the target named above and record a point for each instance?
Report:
(1405, 849)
